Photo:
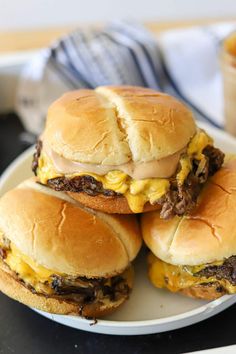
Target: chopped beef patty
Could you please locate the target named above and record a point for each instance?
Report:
(36, 156)
(86, 184)
(81, 290)
(226, 271)
(90, 289)
(179, 200)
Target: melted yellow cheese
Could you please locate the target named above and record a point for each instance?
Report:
(39, 277)
(137, 192)
(198, 143)
(194, 150)
(176, 278)
(29, 271)
(185, 168)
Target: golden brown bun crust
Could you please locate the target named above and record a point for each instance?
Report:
(65, 236)
(110, 205)
(204, 292)
(113, 125)
(14, 289)
(208, 234)
(82, 126)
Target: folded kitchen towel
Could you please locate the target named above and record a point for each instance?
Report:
(181, 62)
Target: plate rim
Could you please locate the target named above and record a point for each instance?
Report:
(204, 309)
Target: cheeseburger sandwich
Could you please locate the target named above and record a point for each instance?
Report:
(125, 150)
(196, 254)
(62, 258)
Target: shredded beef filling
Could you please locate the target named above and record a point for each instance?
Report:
(90, 289)
(81, 290)
(36, 156)
(215, 158)
(179, 200)
(3, 253)
(86, 184)
(225, 271)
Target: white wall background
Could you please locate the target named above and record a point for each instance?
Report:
(20, 14)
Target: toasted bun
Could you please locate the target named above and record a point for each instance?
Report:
(113, 125)
(61, 235)
(110, 205)
(17, 291)
(206, 292)
(208, 234)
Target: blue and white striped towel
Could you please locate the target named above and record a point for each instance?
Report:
(181, 62)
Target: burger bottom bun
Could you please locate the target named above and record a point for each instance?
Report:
(110, 205)
(209, 291)
(17, 291)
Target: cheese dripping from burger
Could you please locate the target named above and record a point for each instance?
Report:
(139, 183)
(48, 282)
(220, 274)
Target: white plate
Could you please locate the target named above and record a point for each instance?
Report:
(149, 310)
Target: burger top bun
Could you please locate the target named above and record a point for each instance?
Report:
(114, 125)
(64, 236)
